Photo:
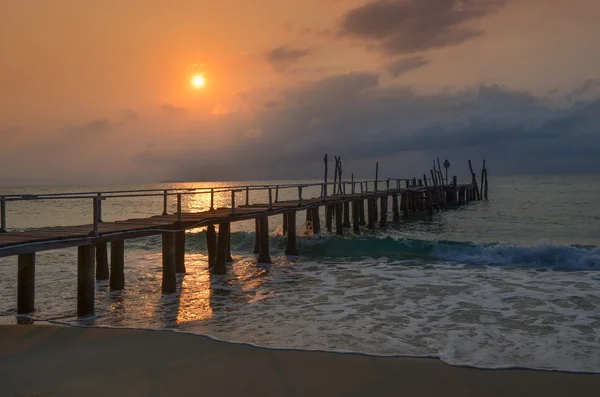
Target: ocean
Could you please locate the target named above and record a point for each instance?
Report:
(509, 282)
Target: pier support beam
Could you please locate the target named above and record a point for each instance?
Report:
(346, 214)
(211, 244)
(395, 209)
(291, 234)
(263, 254)
(375, 217)
(101, 262)
(256, 235)
(339, 209)
(371, 213)
(229, 258)
(316, 220)
(117, 265)
(383, 217)
(85, 280)
(169, 280)
(309, 222)
(180, 252)
(404, 204)
(26, 284)
(222, 244)
(329, 217)
(361, 213)
(356, 217)
(284, 221)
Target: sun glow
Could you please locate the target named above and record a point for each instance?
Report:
(198, 81)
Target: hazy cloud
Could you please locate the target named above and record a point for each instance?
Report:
(282, 58)
(170, 108)
(408, 26)
(405, 65)
(91, 127)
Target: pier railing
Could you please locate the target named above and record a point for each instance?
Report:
(97, 197)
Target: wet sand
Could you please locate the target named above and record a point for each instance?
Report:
(52, 361)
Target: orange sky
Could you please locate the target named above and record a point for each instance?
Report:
(66, 63)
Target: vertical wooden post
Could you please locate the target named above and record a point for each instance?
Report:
(374, 209)
(2, 215)
(117, 265)
(346, 214)
(370, 213)
(383, 217)
(256, 235)
(356, 217)
(291, 234)
(329, 217)
(99, 195)
(316, 220)
(211, 244)
(101, 262)
(263, 254)
(339, 214)
(485, 190)
(180, 252)
(284, 223)
(85, 280)
(395, 209)
(309, 224)
(361, 212)
(229, 258)
(26, 284)
(169, 280)
(165, 202)
(222, 243)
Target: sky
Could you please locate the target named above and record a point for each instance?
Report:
(99, 92)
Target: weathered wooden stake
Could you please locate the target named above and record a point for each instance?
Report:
(356, 217)
(211, 243)
(284, 223)
(169, 280)
(346, 214)
(85, 280)
(309, 223)
(291, 234)
(375, 210)
(339, 214)
(329, 217)
(101, 262)
(316, 220)
(117, 265)
(180, 252)
(485, 190)
(222, 244)
(26, 284)
(395, 209)
(229, 257)
(263, 254)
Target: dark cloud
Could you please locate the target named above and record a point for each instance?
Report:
(92, 127)
(405, 65)
(129, 115)
(283, 58)
(409, 26)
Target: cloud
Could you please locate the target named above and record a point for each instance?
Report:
(405, 65)
(92, 127)
(283, 58)
(129, 115)
(254, 133)
(170, 108)
(409, 26)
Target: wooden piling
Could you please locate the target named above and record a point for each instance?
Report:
(375, 217)
(404, 204)
(180, 252)
(383, 217)
(263, 254)
(26, 284)
(256, 236)
(222, 244)
(284, 221)
(229, 257)
(211, 243)
(309, 219)
(361, 212)
(101, 262)
(316, 220)
(395, 209)
(169, 280)
(485, 189)
(370, 213)
(85, 280)
(339, 213)
(356, 217)
(329, 217)
(117, 265)
(291, 234)
(346, 214)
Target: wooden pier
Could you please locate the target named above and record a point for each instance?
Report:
(341, 200)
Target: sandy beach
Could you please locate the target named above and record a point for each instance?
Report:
(46, 360)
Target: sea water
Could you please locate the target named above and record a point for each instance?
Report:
(509, 282)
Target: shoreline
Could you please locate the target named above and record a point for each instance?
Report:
(62, 360)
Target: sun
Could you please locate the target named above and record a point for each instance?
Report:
(198, 81)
